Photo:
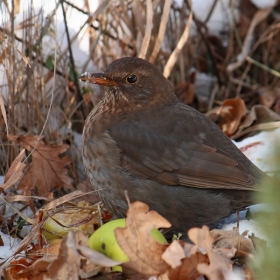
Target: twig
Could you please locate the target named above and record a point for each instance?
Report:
(211, 11)
(162, 28)
(212, 97)
(175, 54)
(258, 17)
(148, 30)
(264, 67)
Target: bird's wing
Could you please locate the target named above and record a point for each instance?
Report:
(177, 158)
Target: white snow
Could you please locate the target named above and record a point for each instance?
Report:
(259, 148)
(10, 245)
(264, 4)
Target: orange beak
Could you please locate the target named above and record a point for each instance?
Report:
(97, 78)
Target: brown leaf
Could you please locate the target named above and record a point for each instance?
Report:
(15, 171)
(52, 247)
(47, 170)
(232, 112)
(220, 265)
(173, 254)
(74, 261)
(259, 118)
(184, 260)
(135, 239)
(188, 269)
(37, 270)
(201, 237)
(231, 239)
(259, 114)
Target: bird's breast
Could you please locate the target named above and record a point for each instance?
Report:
(101, 158)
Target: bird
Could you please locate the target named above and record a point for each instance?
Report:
(142, 139)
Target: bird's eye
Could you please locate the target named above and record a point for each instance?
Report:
(131, 79)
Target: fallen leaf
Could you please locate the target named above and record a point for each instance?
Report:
(174, 254)
(74, 261)
(219, 266)
(144, 252)
(51, 248)
(47, 170)
(15, 171)
(231, 239)
(259, 114)
(259, 118)
(189, 256)
(231, 114)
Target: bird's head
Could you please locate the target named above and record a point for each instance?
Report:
(133, 82)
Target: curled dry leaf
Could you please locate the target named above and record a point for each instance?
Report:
(232, 113)
(47, 170)
(219, 266)
(259, 118)
(259, 114)
(231, 239)
(15, 171)
(143, 251)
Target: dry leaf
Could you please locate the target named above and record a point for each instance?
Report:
(47, 170)
(231, 239)
(36, 271)
(2, 108)
(232, 112)
(188, 269)
(51, 248)
(189, 257)
(15, 171)
(259, 118)
(220, 265)
(74, 261)
(259, 114)
(174, 254)
(135, 239)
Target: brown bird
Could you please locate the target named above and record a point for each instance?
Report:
(140, 138)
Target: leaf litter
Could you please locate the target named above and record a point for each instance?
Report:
(211, 254)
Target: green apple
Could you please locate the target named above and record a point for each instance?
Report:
(104, 241)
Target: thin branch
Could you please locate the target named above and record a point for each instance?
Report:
(148, 30)
(162, 28)
(175, 54)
